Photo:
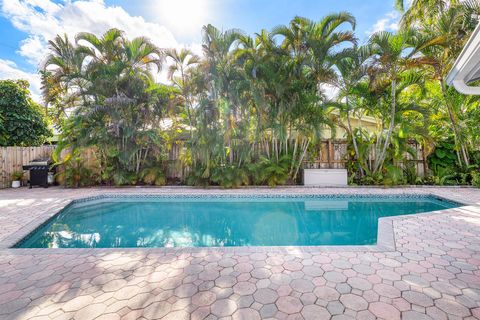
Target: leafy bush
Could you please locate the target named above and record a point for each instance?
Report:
(230, 176)
(271, 172)
(17, 175)
(75, 174)
(22, 121)
(125, 178)
(198, 176)
(153, 176)
(393, 175)
(476, 178)
(443, 161)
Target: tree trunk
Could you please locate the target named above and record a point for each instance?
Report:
(354, 140)
(381, 157)
(463, 153)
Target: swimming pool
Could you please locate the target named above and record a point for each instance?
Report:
(217, 221)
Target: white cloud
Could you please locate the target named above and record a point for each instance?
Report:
(9, 70)
(184, 17)
(42, 20)
(389, 22)
(33, 49)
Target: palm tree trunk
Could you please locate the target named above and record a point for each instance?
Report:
(463, 156)
(381, 157)
(354, 140)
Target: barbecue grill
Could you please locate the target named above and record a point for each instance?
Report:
(39, 171)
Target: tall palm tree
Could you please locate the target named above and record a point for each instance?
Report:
(352, 72)
(218, 48)
(63, 80)
(179, 72)
(389, 58)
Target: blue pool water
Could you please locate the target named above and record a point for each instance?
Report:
(224, 221)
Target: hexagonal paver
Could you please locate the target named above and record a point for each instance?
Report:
(335, 307)
(203, 298)
(289, 304)
(209, 275)
(334, 276)
(314, 312)
(384, 310)
(353, 302)
(417, 298)
(326, 293)
(302, 285)
(386, 290)
(265, 296)
(246, 313)
(452, 307)
(244, 288)
(359, 283)
(91, 311)
(224, 307)
(186, 290)
(157, 310)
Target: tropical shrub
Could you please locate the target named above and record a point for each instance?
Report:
(271, 172)
(17, 175)
(230, 176)
(154, 175)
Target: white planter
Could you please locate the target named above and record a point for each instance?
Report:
(325, 177)
(16, 184)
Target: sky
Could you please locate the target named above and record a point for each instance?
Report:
(27, 25)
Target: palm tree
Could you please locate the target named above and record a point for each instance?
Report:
(179, 72)
(64, 83)
(325, 41)
(218, 48)
(353, 71)
(109, 77)
(389, 59)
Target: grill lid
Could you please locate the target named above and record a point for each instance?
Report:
(40, 162)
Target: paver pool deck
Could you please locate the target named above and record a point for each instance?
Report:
(431, 270)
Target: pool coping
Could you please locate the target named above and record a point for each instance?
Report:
(385, 231)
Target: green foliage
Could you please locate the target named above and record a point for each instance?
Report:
(393, 175)
(22, 122)
(475, 178)
(153, 176)
(443, 161)
(124, 178)
(198, 177)
(229, 176)
(17, 175)
(75, 174)
(271, 172)
(253, 109)
(115, 106)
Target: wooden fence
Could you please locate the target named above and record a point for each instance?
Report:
(13, 158)
(331, 154)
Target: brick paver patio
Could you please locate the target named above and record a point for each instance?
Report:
(432, 272)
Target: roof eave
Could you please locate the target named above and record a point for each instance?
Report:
(466, 66)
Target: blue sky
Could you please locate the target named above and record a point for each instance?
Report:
(27, 25)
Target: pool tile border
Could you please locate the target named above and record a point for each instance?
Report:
(385, 232)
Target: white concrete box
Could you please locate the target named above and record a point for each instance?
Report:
(325, 177)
